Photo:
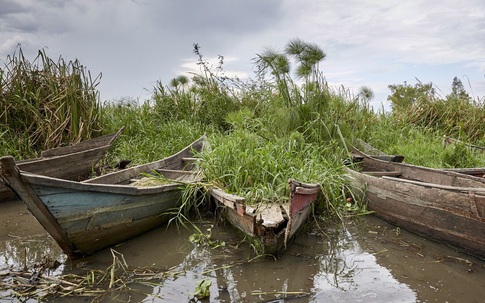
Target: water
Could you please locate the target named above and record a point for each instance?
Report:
(363, 260)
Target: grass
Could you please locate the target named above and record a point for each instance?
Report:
(146, 136)
(421, 146)
(45, 103)
(257, 169)
(262, 131)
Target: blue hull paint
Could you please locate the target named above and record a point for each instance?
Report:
(85, 217)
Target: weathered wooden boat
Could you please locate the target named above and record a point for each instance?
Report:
(372, 152)
(273, 225)
(473, 171)
(73, 162)
(369, 150)
(88, 216)
(445, 206)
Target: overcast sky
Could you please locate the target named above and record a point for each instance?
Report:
(373, 43)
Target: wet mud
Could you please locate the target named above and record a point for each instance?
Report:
(362, 260)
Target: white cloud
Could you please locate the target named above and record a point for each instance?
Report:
(136, 43)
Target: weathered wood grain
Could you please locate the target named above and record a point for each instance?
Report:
(73, 162)
(272, 224)
(84, 217)
(445, 206)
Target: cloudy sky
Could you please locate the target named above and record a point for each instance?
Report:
(134, 43)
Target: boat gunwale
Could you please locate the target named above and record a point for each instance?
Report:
(143, 168)
(25, 182)
(63, 151)
(274, 237)
(413, 168)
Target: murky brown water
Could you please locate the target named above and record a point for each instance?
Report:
(360, 261)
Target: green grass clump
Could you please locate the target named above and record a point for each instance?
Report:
(46, 103)
(421, 146)
(258, 169)
(146, 136)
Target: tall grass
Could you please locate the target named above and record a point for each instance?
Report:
(46, 103)
(456, 114)
(207, 100)
(262, 131)
(148, 136)
(258, 169)
(420, 145)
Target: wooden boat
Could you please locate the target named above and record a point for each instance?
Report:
(73, 162)
(272, 224)
(442, 205)
(85, 217)
(372, 152)
(474, 171)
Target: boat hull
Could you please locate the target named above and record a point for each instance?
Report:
(444, 206)
(74, 162)
(272, 225)
(85, 217)
(93, 220)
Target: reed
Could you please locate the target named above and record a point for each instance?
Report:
(207, 99)
(47, 102)
(456, 114)
(147, 137)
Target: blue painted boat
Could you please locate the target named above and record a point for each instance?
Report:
(85, 217)
(74, 162)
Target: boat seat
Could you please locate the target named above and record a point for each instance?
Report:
(395, 173)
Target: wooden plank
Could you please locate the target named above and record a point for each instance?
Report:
(383, 173)
(434, 185)
(226, 198)
(423, 174)
(271, 214)
(70, 167)
(83, 145)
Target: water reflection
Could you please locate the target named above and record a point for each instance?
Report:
(29, 252)
(349, 274)
(351, 262)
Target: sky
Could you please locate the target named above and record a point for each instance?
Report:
(372, 43)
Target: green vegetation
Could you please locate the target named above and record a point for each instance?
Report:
(45, 103)
(202, 291)
(457, 114)
(258, 169)
(420, 120)
(283, 124)
(288, 122)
